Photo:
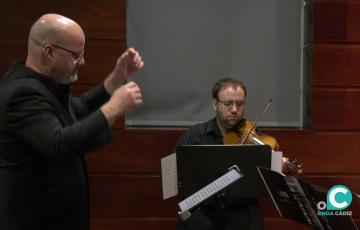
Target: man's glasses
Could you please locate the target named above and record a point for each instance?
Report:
(76, 56)
(229, 104)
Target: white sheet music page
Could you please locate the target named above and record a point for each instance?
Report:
(169, 176)
(276, 161)
(210, 190)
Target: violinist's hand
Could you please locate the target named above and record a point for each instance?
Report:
(128, 63)
(285, 162)
(293, 167)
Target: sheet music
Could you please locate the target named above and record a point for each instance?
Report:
(210, 190)
(276, 157)
(169, 176)
(276, 161)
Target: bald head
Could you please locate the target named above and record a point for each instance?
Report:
(54, 28)
(47, 34)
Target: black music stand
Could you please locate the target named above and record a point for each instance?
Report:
(199, 165)
(297, 200)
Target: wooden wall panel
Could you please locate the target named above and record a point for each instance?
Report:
(336, 65)
(134, 151)
(337, 21)
(11, 50)
(316, 150)
(125, 195)
(141, 151)
(129, 195)
(336, 108)
(100, 19)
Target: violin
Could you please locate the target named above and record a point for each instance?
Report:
(245, 133)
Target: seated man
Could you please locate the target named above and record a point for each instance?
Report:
(228, 101)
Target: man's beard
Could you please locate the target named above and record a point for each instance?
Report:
(73, 77)
(229, 124)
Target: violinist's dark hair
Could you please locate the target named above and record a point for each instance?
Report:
(224, 83)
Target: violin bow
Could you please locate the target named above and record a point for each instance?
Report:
(256, 121)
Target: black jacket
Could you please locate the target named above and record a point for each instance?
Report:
(44, 134)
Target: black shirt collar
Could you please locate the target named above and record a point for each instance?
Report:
(213, 127)
(60, 91)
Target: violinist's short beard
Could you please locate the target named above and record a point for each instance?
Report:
(73, 78)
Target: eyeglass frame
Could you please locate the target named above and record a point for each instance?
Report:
(229, 106)
(76, 56)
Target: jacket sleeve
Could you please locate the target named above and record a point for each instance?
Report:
(31, 117)
(89, 101)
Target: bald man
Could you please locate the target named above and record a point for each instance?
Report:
(45, 132)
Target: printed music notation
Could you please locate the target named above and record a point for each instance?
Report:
(211, 189)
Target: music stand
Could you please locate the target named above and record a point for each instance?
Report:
(297, 200)
(199, 165)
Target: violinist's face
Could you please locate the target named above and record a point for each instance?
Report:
(229, 106)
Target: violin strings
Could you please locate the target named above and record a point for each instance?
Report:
(256, 121)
